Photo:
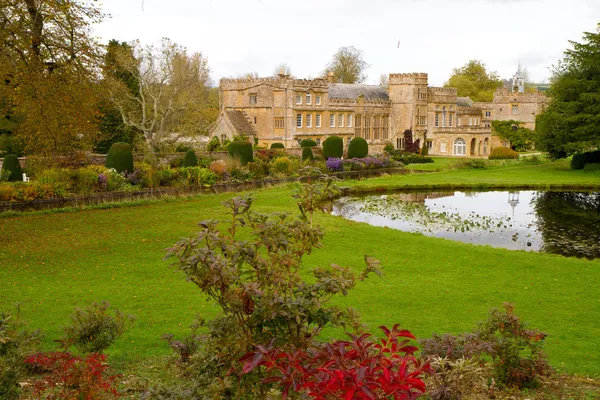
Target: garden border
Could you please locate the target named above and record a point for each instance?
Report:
(114, 196)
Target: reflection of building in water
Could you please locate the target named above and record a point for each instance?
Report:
(513, 200)
(421, 197)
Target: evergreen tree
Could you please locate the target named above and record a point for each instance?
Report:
(571, 123)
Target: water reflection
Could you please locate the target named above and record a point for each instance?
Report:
(565, 223)
(569, 223)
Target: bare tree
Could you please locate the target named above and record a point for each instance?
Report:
(282, 69)
(348, 65)
(384, 80)
(172, 92)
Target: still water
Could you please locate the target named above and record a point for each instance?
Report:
(566, 223)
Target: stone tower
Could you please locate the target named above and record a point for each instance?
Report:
(408, 97)
(519, 81)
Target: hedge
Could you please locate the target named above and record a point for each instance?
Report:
(503, 153)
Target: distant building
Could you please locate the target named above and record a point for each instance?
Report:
(287, 110)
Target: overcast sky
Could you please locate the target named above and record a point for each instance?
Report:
(239, 36)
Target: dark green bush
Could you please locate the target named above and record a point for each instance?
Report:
(307, 154)
(120, 157)
(11, 163)
(308, 143)
(333, 147)
(410, 158)
(358, 148)
(580, 160)
(182, 148)
(424, 150)
(190, 159)
(277, 146)
(591, 167)
(503, 153)
(242, 150)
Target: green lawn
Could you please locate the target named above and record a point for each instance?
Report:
(53, 263)
(438, 164)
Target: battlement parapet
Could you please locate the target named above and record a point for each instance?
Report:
(311, 83)
(275, 81)
(504, 96)
(468, 110)
(410, 75)
(408, 78)
(378, 101)
(443, 91)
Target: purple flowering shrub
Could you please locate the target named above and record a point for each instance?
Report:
(358, 164)
(335, 164)
(102, 181)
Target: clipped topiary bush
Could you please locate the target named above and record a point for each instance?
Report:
(580, 160)
(307, 154)
(308, 143)
(120, 157)
(358, 148)
(190, 159)
(424, 150)
(242, 150)
(11, 163)
(277, 146)
(333, 147)
(503, 153)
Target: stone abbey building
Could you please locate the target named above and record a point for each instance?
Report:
(287, 110)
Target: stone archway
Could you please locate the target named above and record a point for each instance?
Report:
(479, 148)
(486, 145)
(473, 147)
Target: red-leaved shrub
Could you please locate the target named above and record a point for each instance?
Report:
(356, 369)
(71, 377)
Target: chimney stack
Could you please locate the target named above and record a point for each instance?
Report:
(331, 77)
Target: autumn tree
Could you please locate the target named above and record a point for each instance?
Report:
(173, 95)
(475, 81)
(571, 123)
(49, 63)
(348, 66)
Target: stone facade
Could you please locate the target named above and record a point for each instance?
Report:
(287, 110)
(519, 106)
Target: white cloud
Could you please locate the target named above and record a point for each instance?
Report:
(435, 36)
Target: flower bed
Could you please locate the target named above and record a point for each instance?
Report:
(94, 184)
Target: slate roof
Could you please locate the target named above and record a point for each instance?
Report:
(352, 91)
(240, 122)
(464, 102)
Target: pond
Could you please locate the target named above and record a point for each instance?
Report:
(566, 223)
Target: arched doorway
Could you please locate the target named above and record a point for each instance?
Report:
(473, 147)
(486, 145)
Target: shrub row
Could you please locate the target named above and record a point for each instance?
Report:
(411, 158)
